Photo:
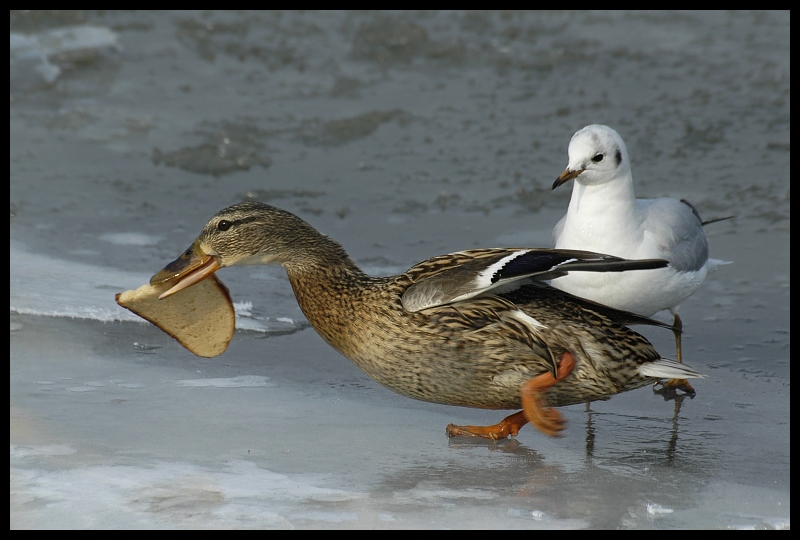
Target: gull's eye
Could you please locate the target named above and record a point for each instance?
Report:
(598, 158)
(224, 225)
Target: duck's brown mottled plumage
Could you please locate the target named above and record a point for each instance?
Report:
(476, 351)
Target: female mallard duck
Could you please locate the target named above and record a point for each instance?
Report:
(476, 328)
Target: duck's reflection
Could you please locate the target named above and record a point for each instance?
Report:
(512, 445)
(629, 462)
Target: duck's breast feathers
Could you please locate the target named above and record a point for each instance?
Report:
(466, 274)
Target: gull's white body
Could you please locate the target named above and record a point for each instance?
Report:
(605, 216)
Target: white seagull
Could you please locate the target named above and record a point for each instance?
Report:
(605, 216)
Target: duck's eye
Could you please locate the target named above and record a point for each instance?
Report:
(224, 225)
(598, 158)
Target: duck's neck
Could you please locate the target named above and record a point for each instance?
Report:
(329, 288)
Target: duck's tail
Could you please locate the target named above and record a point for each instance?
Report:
(668, 369)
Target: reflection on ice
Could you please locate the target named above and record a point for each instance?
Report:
(130, 239)
(169, 495)
(245, 381)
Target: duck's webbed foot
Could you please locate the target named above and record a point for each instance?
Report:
(546, 419)
(510, 425)
(535, 410)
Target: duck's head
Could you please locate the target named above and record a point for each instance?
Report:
(597, 154)
(245, 233)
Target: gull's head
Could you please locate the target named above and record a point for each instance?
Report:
(597, 155)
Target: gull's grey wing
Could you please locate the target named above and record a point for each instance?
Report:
(678, 231)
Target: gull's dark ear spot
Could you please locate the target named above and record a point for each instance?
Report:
(618, 157)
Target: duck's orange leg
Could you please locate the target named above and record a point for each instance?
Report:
(548, 420)
(510, 425)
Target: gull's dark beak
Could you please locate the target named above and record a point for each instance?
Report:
(566, 176)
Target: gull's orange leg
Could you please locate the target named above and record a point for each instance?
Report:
(510, 425)
(548, 420)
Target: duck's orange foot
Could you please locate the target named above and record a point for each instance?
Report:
(510, 425)
(669, 389)
(548, 420)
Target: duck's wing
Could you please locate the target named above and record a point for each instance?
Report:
(534, 292)
(466, 274)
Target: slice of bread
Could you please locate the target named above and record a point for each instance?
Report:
(200, 317)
